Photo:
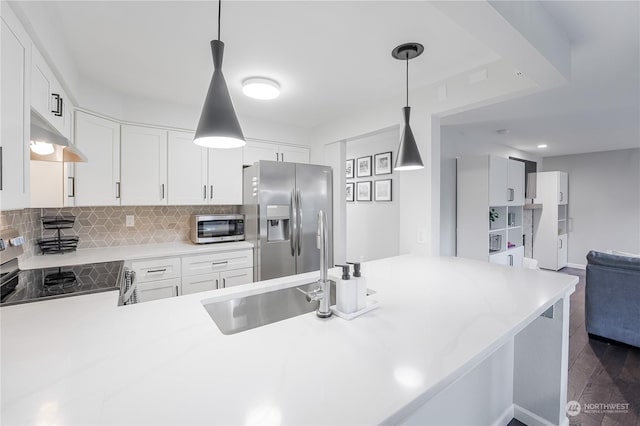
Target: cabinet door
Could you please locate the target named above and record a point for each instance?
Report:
(515, 256)
(225, 176)
(187, 170)
(155, 290)
(498, 177)
(500, 258)
(515, 188)
(294, 154)
(237, 277)
(563, 188)
(14, 160)
(97, 180)
(562, 251)
(143, 166)
(255, 151)
(40, 85)
(200, 283)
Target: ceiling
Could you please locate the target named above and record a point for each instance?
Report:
(598, 110)
(330, 57)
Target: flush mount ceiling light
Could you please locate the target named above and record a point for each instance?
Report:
(218, 126)
(408, 157)
(261, 88)
(542, 146)
(42, 148)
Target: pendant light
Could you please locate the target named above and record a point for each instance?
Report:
(218, 126)
(408, 156)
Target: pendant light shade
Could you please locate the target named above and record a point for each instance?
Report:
(408, 156)
(218, 126)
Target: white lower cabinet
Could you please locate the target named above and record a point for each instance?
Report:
(562, 251)
(154, 290)
(511, 257)
(159, 278)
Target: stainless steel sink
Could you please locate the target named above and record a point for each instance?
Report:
(244, 313)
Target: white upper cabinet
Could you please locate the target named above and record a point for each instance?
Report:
(97, 182)
(143, 166)
(187, 170)
(498, 177)
(255, 151)
(200, 175)
(14, 146)
(563, 188)
(225, 176)
(515, 183)
(48, 99)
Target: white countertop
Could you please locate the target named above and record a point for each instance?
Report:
(144, 251)
(83, 360)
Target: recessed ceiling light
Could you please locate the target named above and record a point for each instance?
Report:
(261, 88)
(542, 146)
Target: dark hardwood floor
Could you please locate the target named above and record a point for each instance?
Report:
(600, 372)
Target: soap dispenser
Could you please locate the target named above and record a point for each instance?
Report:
(361, 286)
(346, 292)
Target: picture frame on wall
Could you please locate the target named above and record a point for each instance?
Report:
(349, 168)
(384, 190)
(382, 163)
(363, 190)
(350, 197)
(364, 166)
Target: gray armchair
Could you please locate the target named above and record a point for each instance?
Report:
(612, 297)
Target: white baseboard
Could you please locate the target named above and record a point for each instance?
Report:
(576, 265)
(505, 417)
(529, 418)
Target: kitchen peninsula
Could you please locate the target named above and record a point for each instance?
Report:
(454, 341)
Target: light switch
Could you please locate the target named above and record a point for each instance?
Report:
(130, 220)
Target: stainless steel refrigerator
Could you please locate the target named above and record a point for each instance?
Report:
(281, 204)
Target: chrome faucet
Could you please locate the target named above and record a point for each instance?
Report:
(323, 292)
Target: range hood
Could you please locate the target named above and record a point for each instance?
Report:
(63, 151)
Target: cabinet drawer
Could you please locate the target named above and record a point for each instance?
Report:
(156, 269)
(236, 277)
(200, 283)
(158, 290)
(216, 262)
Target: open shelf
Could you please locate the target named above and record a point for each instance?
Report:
(500, 221)
(514, 237)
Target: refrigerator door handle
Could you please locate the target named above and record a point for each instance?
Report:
(299, 207)
(293, 214)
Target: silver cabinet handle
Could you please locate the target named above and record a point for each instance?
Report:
(204, 192)
(510, 194)
(177, 291)
(299, 205)
(117, 189)
(224, 283)
(72, 187)
(162, 190)
(217, 285)
(282, 156)
(510, 260)
(153, 271)
(224, 262)
(561, 196)
(560, 243)
(211, 192)
(277, 159)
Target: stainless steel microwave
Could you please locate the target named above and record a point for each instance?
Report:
(217, 228)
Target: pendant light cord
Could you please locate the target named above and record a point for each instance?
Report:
(219, 8)
(407, 61)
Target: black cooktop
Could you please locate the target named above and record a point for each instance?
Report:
(52, 283)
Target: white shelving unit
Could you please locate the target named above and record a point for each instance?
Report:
(489, 188)
(550, 224)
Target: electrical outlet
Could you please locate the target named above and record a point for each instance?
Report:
(130, 220)
(421, 236)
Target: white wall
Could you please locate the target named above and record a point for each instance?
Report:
(604, 201)
(454, 144)
(373, 227)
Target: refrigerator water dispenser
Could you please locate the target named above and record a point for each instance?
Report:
(278, 223)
